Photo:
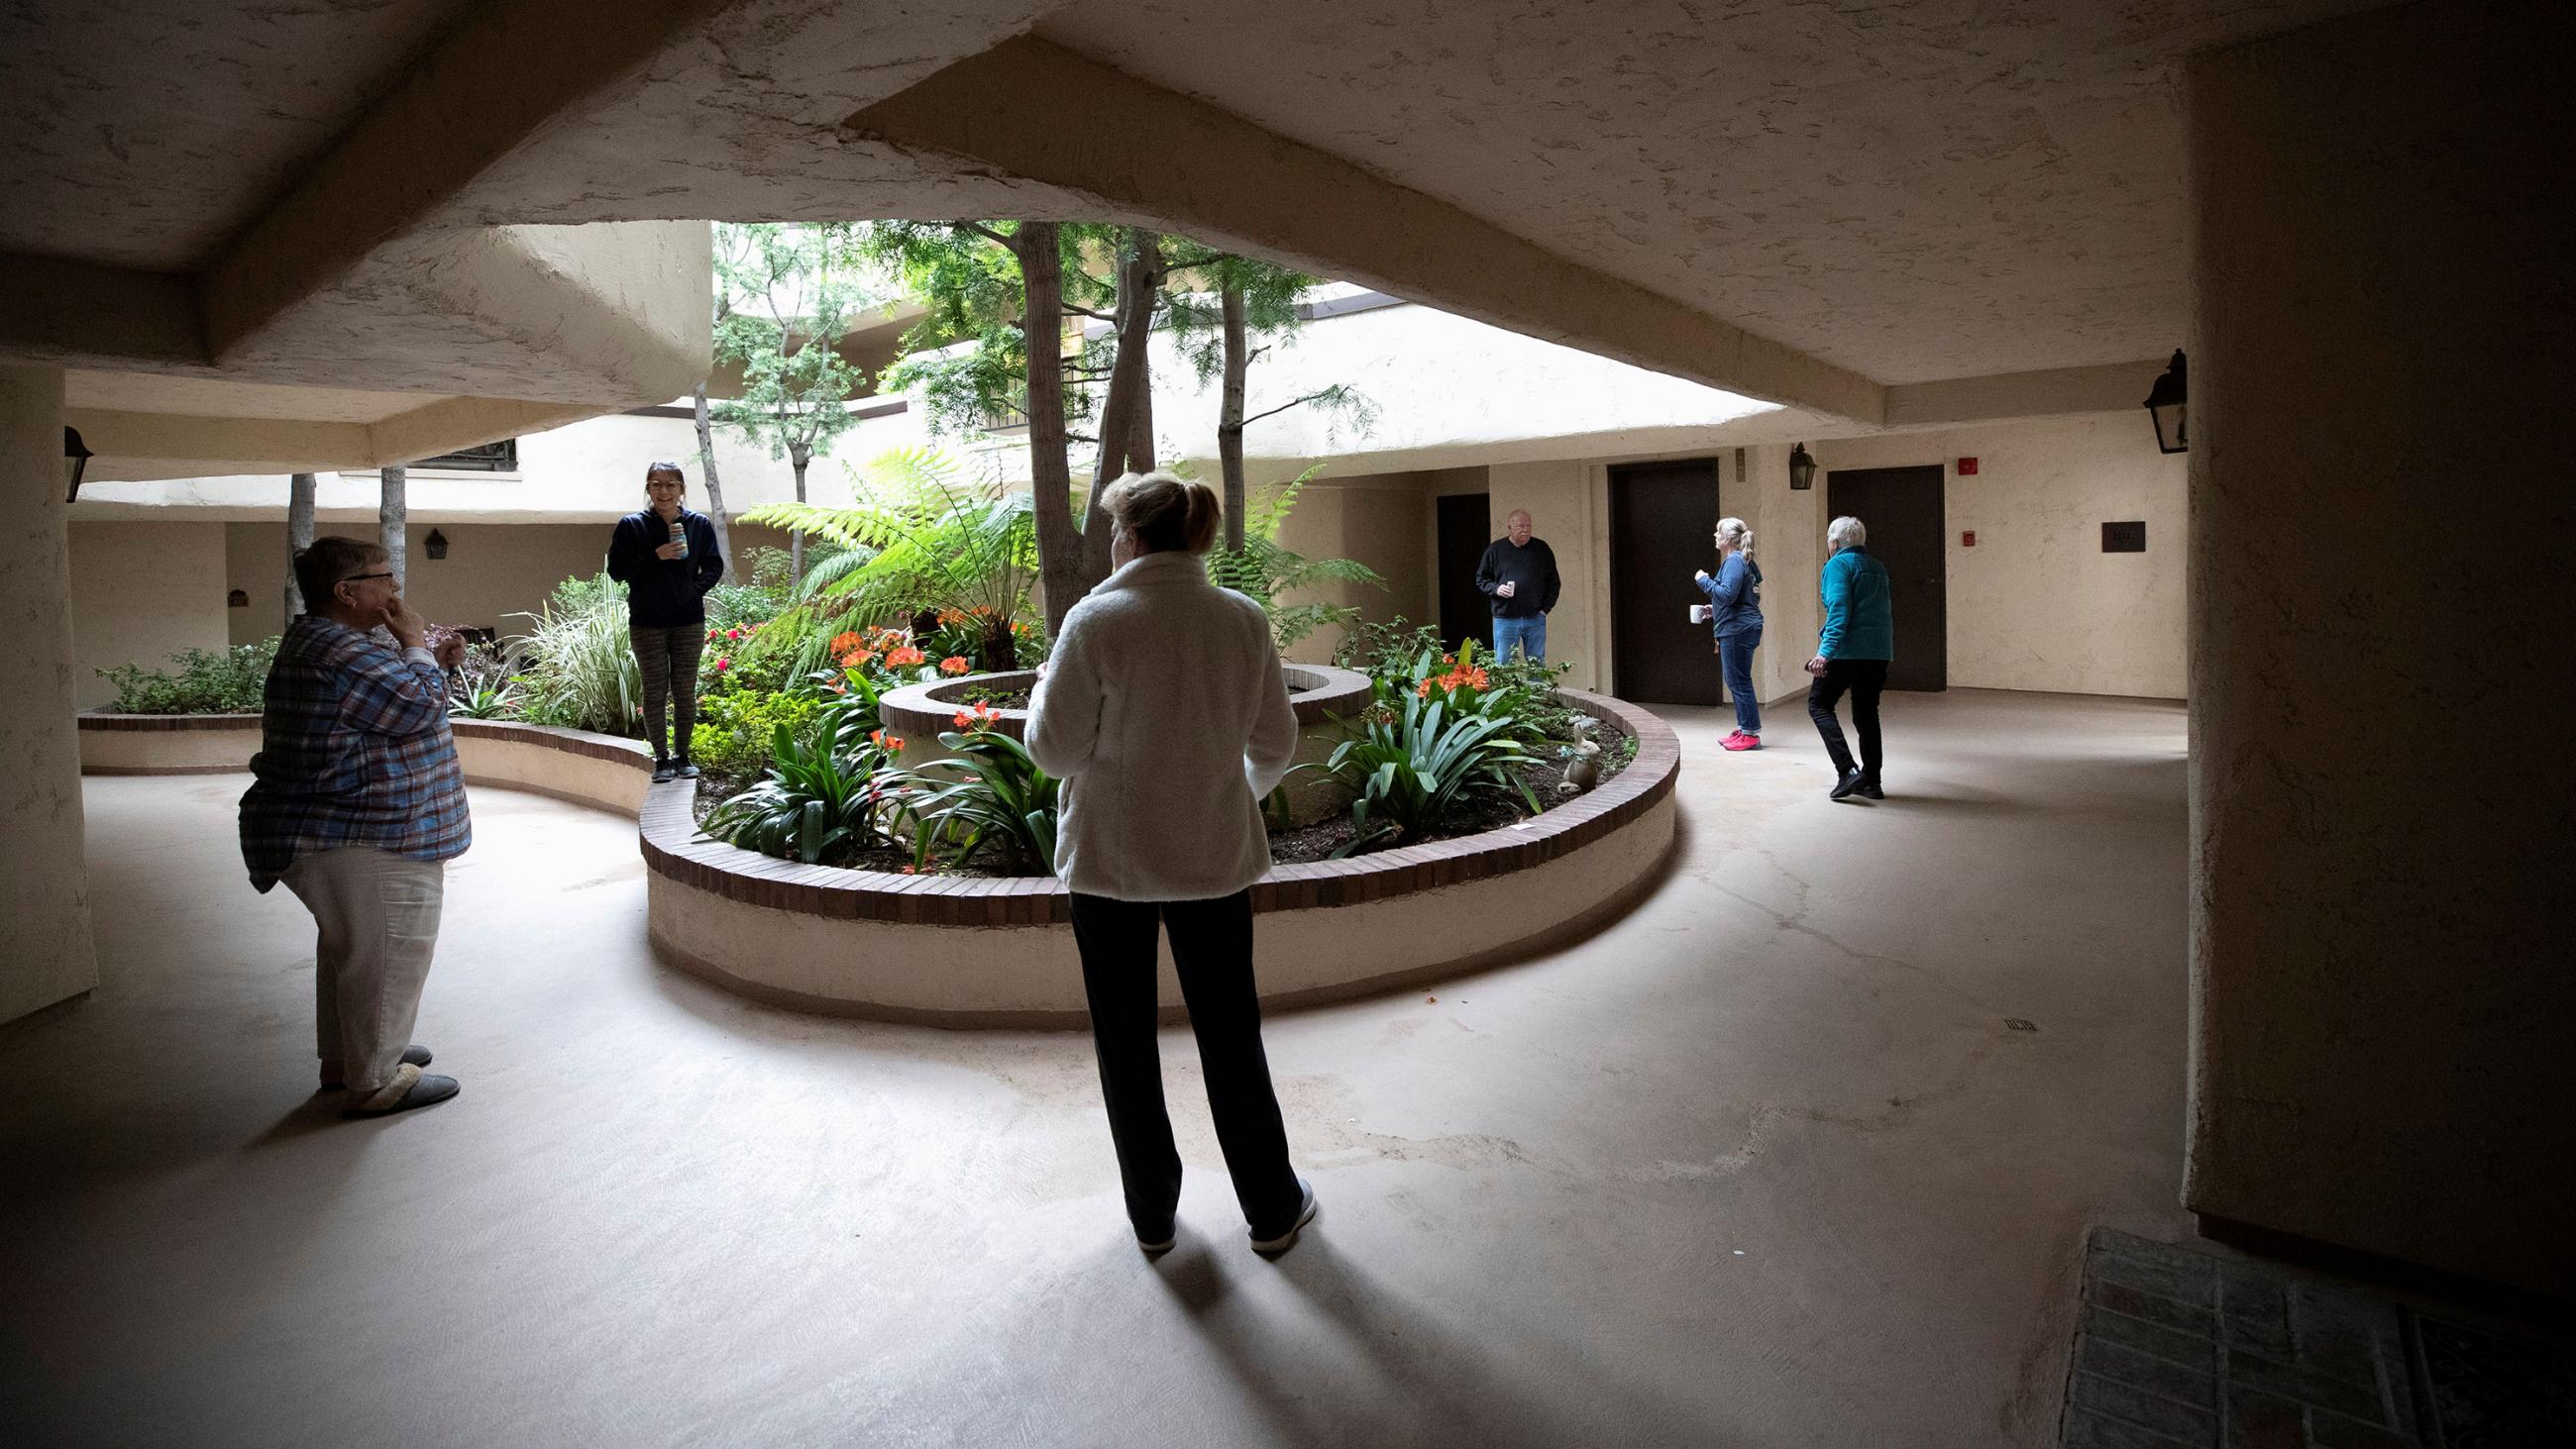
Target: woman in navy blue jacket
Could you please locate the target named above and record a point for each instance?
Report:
(1735, 617)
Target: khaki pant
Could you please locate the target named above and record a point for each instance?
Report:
(378, 914)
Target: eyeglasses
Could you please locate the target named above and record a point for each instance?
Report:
(357, 578)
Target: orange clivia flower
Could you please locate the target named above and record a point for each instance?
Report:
(954, 664)
(891, 744)
(846, 641)
(905, 657)
(978, 717)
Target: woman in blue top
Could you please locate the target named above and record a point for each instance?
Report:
(1852, 651)
(1735, 617)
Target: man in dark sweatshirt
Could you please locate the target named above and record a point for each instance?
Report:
(1517, 576)
(666, 556)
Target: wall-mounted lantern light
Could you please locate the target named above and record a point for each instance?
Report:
(2167, 404)
(1802, 468)
(435, 545)
(78, 456)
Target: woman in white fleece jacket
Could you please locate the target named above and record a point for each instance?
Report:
(1164, 712)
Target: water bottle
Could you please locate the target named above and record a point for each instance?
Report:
(680, 536)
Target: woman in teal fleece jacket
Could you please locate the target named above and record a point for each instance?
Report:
(1852, 651)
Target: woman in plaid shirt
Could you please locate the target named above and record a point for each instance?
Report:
(358, 804)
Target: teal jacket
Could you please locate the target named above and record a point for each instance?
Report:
(1858, 624)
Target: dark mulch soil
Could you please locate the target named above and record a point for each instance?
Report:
(997, 698)
(1544, 776)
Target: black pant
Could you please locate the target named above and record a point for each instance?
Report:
(1864, 678)
(668, 659)
(1212, 947)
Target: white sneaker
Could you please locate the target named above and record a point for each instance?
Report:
(1288, 1239)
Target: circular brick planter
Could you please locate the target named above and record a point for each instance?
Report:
(967, 952)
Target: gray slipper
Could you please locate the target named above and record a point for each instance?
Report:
(409, 1088)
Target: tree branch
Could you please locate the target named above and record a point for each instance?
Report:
(988, 234)
(1283, 407)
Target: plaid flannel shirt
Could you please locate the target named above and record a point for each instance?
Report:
(355, 750)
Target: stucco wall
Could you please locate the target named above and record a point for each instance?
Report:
(491, 571)
(1375, 520)
(46, 950)
(142, 592)
(2037, 604)
(2380, 1001)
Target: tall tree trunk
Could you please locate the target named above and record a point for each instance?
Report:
(299, 536)
(393, 521)
(798, 455)
(715, 490)
(1131, 386)
(1229, 418)
(1060, 541)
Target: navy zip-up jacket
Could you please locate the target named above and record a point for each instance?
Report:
(1735, 596)
(664, 593)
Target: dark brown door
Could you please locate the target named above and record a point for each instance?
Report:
(1901, 508)
(1465, 528)
(1661, 516)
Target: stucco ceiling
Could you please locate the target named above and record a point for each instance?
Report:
(144, 133)
(1837, 197)
(1911, 191)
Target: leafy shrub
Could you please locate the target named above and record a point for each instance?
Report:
(577, 665)
(207, 681)
(737, 729)
(1265, 571)
(1414, 762)
(922, 538)
(1388, 650)
(991, 795)
(830, 795)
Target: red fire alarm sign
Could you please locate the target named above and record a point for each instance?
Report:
(1967, 467)
(1968, 539)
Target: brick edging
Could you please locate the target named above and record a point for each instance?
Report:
(666, 829)
(673, 849)
(108, 719)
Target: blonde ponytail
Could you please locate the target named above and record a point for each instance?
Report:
(1732, 532)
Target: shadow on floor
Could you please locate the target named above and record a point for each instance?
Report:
(1427, 1376)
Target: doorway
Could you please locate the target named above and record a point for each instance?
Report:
(1902, 509)
(1661, 517)
(1465, 526)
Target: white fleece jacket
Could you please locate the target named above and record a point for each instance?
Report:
(1164, 713)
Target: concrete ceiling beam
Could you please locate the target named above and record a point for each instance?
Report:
(132, 445)
(502, 74)
(76, 314)
(1149, 155)
(2053, 392)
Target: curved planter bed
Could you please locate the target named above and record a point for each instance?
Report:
(963, 951)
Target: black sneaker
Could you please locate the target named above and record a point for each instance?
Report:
(687, 770)
(1153, 1242)
(664, 772)
(1845, 785)
(1869, 790)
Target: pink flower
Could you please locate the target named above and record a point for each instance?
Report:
(723, 664)
(733, 633)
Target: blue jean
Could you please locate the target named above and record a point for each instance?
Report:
(1530, 634)
(1735, 659)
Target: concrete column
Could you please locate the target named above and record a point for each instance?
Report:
(2383, 1017)
(46, 954)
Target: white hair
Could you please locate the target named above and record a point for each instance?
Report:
(1731, 532)
(1845, 532)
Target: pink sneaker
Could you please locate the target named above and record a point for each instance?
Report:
(1740, 741)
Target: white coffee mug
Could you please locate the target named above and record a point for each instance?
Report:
(1700, 613)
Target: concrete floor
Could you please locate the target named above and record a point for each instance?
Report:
(1761, 1164)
